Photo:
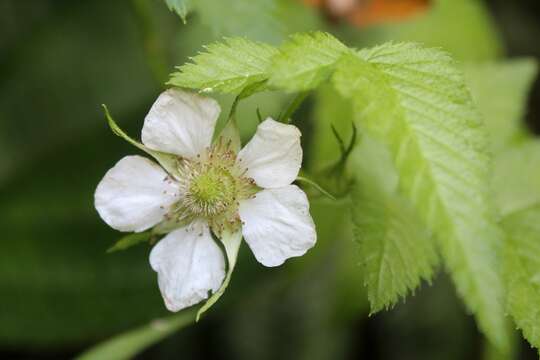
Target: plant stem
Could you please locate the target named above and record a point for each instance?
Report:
(285, 116)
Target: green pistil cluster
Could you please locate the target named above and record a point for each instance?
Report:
(212, 191)
(212, 186)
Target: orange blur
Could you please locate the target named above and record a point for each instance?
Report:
(370, 12)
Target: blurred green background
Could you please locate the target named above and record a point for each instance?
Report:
(60, 293)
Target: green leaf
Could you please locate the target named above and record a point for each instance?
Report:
(516, 180)
(181, 7)
(396, 248)
(167, 161)
(305, 61)
(131, 343)
(231, 243)
(227, 67)
(416, 101)
(500, 91)
(521, 271)
(130, 240)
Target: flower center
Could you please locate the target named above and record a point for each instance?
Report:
(212, 185)
(211, 192)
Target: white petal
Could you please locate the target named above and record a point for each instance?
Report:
(189, 265)
(135, 194)
(277, 224)
(274, 155)
(180, 123)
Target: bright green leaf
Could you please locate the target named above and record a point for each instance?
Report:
(130, 240)
(522, 271)
(305, 61)
(227, 67)
(231, 243)
(516, 180)
(181, 7)
(129, 344)
(500, 91)
(397, 250)
(416, 101)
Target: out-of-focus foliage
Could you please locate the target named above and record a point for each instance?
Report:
(55, 279)
(264, 20)
(462, 27)
(500, 91)
(181, 7)
(517, 177)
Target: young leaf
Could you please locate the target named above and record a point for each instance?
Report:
(416, 101)
(500, 91)
(305, 61)
(396, 248)
(180, 7)
(521, 271)
(516, 180)
(231, 243)
(131, 343)
(227, 67)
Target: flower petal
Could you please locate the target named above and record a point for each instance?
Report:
(277, 224)
(274, 155)
(135, 194)
(180, 123)
(189, 265)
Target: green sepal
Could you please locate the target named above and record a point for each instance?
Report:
(318, 187)
(231, 133)
(167, 161)
(231, 243)
(131, 240)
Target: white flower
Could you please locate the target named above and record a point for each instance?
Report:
(212, 189)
